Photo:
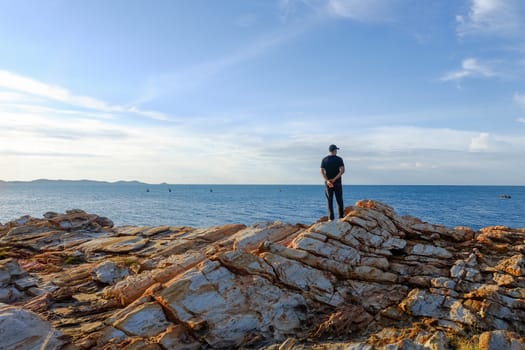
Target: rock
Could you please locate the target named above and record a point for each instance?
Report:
(438, 341)
(305, 278)
(9, 295)
(245, 263)
(132, 287)
(514, 265)
(139, 344)
(460, 270)
(108, 272)
(25, 283)
(12, 267)
(21, 329)
(5, 276)
(365, 237)
(117, 245)
(374, 280)
(405, 344)
(50, 215)
(376, 296)
(394, 243)
(104, 222)
(431, 251)
(327, 248)
(253, 236)
(214, 297)
(372, 274)
(421, 303)
(110, 335)
(23, 220)
(503, 279)
(288, 344)
(177, 338)
(147, 320)
(333, 229)
(497, 340)
(463, 233)
(155, 230)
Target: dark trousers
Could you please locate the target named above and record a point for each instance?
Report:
(329, 192)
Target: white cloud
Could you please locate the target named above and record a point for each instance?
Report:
(521, 120)
(39, 109)
(500, 17)
(410, 138)
(80, 143)
(470, 68)
(110, 150)
(11, 97)
(17, 83)
(480, 142)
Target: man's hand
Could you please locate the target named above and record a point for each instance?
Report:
(329, 183)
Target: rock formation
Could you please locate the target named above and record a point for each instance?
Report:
(374, 280)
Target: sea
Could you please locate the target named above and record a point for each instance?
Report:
(133, 203)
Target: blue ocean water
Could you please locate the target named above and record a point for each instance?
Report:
(208, 205)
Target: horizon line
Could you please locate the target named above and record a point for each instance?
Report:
(240, 184)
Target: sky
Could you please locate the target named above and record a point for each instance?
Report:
(254, 91)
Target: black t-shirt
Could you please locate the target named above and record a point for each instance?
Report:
(331, 164)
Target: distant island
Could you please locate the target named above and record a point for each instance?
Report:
(80, 182)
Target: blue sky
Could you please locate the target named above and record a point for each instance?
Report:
(254, 91)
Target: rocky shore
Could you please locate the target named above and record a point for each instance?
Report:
(374, 280)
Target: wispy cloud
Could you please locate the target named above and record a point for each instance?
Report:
(497, 17)
(32, 126)
(16, 84)
(470, 68)
(41, 109)
(519, 98)
(47, 154)
(193, 77)
(246, 20)
(12, 97)
(356, 10)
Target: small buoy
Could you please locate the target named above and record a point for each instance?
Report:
(169, 189)
(147, 189)
(211, 190)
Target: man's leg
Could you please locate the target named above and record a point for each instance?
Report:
(329, 193)
(338, 189)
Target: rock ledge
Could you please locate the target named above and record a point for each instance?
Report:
(374, 280)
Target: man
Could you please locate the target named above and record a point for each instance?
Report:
(332, 168)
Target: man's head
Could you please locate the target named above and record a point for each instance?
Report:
(333, 149)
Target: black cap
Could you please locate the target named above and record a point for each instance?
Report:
(332, 148)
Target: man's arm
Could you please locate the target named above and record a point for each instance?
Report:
(323, 174)
(341, 172)
(326, 180)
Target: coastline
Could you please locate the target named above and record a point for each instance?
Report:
(373, 279)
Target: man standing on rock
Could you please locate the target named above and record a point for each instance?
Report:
(332, 169)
